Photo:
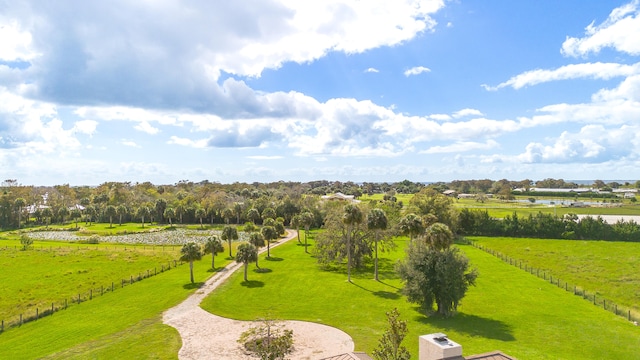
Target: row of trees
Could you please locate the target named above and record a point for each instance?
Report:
(548, 226)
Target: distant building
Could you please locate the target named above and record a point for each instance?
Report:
(340, 197)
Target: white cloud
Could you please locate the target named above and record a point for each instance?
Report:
(129, 143)
(87, 127)
(620, 31)
(198, 144)
(597, 70)
(147, 128)
(417, 70)
(372, 70)
(170, 54)
(461, 146)
(15, 44)
(467, 112)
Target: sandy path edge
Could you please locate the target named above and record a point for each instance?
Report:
(208, 336)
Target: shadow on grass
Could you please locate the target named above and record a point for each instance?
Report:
(472, 325)
(387, 295)
(262, 270)
(272, 258)
(190, 286)
(252, 284)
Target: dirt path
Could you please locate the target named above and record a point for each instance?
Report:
(207, 336)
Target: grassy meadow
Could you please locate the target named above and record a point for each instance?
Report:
(509, 309)
(125, 324)
(609, 269)
(50, 272)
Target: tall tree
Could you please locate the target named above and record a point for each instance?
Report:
(246, 253)
(227, 214)
(190, 252)
(269, 233)
(376, 221)
(411, 225)
(238, 207)
(89, 213)
(296, 222)
(439, 236)
(307, 219)
(121, 211)
(253, 214)
(142, 213)
(110, 211)
(75, 215)
(19, 203)
(257, 240)
(169, 214)
(213, 246)
(351, 217)
(229, 234)
(200, 214)
(47, 214)
(161, 206)
(435, 275)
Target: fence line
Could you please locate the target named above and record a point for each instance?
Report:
(626, 312)
(38, 312)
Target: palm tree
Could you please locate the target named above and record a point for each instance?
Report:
(246, 253)
(121, 210)
(411, 225)
(200, 214)
(269, 233)
(110, 211)
(19, 203)
(351, 217)
(237, 209)
(89, 212)
(227, 214)
(190, 252)
(256, 239)
(229, 233)
(253, 214)
(75, 215)
(307, 220)
(213, 246)
(143, 212)
(296, 222)
(268, 213)
(376, 221)
(439, 236)
(169, 213)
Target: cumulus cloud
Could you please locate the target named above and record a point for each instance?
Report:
(621, 31)
(171, 54)
(372, 70)
(147, 128)
(16, 43)
(604, 71)
(467, 112)
(417, 70)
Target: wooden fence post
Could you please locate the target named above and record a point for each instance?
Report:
(37, 313)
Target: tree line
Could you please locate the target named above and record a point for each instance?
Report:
(547, 226)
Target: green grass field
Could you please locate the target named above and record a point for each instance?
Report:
(125, 324)
(509, 309)
(609, 269)
(52, 272)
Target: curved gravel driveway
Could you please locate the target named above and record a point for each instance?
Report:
(207, 336)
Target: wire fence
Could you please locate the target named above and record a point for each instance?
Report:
(597, 300)
(35, 313)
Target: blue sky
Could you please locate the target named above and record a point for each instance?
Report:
(430, 90)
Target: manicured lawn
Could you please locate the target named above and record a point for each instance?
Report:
(509, 309)
(125, 324)
(607, 268)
